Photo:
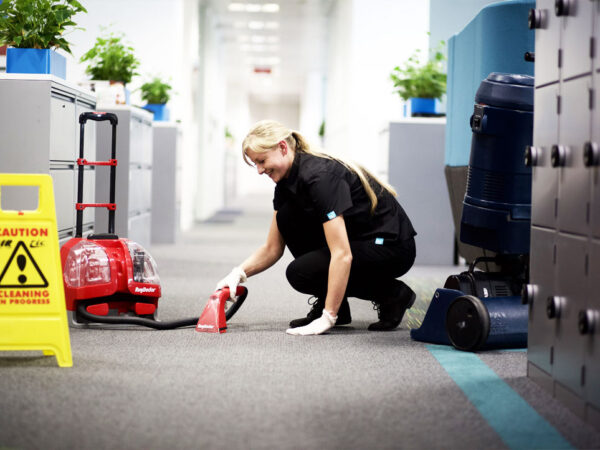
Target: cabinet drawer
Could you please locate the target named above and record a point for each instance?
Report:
(89, 134)
(64, 197)
(63, 126)
(139, 229)
(89, 195)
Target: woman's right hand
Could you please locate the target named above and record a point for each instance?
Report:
(235, 277)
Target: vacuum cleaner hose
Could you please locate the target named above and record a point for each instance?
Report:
(124, 320)
(156, 324)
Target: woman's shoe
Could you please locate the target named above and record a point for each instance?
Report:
(391, 312)
(343, 316)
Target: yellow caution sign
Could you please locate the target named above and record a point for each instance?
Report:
(33, 313)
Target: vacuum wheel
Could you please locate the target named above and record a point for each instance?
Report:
(467, 323)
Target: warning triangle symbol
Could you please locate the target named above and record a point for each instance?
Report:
(21, 270)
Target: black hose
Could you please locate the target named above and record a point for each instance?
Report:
(124, 320)
(151, 323)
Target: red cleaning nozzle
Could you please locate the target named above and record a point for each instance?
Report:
(213, 319)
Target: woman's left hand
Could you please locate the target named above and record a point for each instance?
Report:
(317, 326)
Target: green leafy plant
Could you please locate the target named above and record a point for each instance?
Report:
(156, 91)
(414, 79)
(322, 129)
(110, 59)
(37, 23)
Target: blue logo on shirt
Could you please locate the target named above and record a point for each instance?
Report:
(331, 215)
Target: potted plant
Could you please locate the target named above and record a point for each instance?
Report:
(156, 94)
(114, 62)
(421, 83)
(33, 29)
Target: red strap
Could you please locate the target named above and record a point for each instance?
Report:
(85, 162)
(82, 206)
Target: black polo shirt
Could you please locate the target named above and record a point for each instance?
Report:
(324, 189)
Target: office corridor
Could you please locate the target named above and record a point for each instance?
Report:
(256, 387)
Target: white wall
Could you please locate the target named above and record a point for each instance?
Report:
(312, 106)
(211, 104)
(368, 38)
(165, 36)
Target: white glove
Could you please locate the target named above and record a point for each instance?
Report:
(235, 277)
(317, 326)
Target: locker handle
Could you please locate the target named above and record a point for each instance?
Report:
(553, 307)
(558, 156)
(591, 154)
(532, 155)
(528, 294)
(562, 7)
(535, 19)
(588, 318)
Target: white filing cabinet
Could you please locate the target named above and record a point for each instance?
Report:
(416, 171)
(39, 133)
(134, 172)
(166, 183)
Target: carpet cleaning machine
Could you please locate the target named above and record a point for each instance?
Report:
(483, 309)
(111, 281)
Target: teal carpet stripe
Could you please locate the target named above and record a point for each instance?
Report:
(517, 423)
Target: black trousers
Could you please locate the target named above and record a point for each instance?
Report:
(374, 267)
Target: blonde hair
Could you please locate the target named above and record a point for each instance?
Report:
(266, 134)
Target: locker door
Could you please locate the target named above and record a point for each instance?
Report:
(595, 168)
(542, 269)
(576, 33)
(544, 176)
(571, 283)
(592, 340)
(547, 42)
(596, 35)
(574, 177)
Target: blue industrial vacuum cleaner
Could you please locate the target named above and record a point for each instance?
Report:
(482, 309)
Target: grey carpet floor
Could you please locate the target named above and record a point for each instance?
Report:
(254, 387)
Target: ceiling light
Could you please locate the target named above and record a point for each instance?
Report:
(236, 7)
(253, 7)
(256, 25)
(270, 8)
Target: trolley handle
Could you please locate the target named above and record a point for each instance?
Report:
(98, 117)
(80, 206)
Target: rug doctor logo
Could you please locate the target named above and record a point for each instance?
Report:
(144, 290)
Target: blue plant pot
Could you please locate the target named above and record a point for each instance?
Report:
(160, 110)
(422, 106)
(35, 60)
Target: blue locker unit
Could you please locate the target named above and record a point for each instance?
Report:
(494, 41)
